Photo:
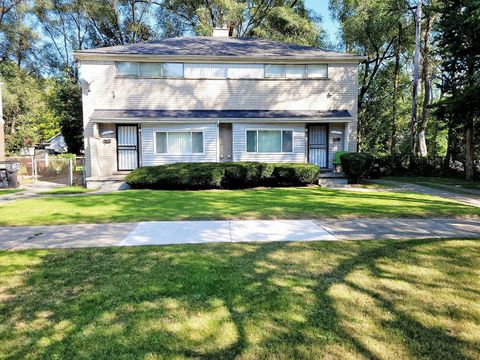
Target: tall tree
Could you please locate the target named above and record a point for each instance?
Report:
(459, 47)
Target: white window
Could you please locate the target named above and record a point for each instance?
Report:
(151, 69)
(269, 141)
(126, 68)
(295, 71)
(317, 71)
(274, 71)
(179, 142)
(244, 71)
(172, 70)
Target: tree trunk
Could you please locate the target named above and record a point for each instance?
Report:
(393, 136)
(427, 82)
(469, 166)
(448, 156)
(416, 62)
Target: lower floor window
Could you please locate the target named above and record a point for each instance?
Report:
(270, 141)
(179, 142)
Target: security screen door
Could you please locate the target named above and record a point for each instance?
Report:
(318, 145)
(127, 147)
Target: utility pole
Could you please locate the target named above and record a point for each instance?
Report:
(2, 126)
(416, 65)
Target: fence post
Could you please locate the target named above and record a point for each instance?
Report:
(34, 168)
(70, 172)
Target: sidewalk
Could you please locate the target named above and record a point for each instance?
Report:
(188, 232)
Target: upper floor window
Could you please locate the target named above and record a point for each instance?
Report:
(150, 69)
(274, 71)
(221, 70)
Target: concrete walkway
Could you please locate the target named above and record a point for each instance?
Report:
(186, 232)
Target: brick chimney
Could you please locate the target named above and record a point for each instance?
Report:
(220, 32)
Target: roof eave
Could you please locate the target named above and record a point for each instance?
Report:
(86, 55)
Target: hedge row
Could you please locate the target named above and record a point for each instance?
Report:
(222, 175)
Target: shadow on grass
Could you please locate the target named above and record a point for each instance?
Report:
(282, 300)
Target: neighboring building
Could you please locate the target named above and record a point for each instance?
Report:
(55, 145)
(192, 99)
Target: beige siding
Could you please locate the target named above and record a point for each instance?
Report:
(103, 90)
(239, 143)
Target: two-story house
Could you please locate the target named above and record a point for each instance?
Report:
(218, 98)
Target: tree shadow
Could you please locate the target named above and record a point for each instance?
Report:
(214, 301)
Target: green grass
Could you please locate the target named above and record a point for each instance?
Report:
(66, 190)
(9, 191)
(443, 183)
(284, 203)
(413, 299)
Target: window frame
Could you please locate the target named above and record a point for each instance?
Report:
(178, 131)
(139, 76)
(281, 130)
(316, 77)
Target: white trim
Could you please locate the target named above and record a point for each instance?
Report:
(346, 137)
(178, 131)
(281, 141)
(214, 121)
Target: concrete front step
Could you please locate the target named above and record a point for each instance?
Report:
(333, 182)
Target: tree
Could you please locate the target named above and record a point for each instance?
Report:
(65, 102)
(459, 48)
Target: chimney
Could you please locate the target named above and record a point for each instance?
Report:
(220, 32)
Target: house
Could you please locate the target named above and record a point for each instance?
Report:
(215, 98)
(56, 144)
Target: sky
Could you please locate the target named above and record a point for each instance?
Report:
(330, 25)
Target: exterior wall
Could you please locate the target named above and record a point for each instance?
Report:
(103, 90)
(239, 143)
(102, 151)
(149, 157)
(334, 146)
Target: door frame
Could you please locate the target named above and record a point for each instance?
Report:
(327, 126)
(137, 149)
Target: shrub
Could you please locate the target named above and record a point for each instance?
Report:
(226, 175)
(356, 165)
(287, 174)
(246, 174)
(177, 176)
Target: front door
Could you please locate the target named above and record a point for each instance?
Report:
(225, 139)
(127, 147)
(318, 145)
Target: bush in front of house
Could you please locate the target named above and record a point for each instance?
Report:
(177, 176)
(356, 166)
(196, 176)
(291, 174)
(246, 174)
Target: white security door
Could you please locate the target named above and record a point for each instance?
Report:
(318, 145)
(127, 147)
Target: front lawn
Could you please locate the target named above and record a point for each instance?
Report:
(9, 191)
(284, 203)
(66, 190)
(413, 299)
(443, 183)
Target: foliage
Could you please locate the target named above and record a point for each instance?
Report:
(65, 102)
(295, 174)
(28, 119)
(226, 175)
(356, 166)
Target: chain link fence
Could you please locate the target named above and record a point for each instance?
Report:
(59, 170)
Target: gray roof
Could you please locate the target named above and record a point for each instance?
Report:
(218, 114)
(218, 46)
